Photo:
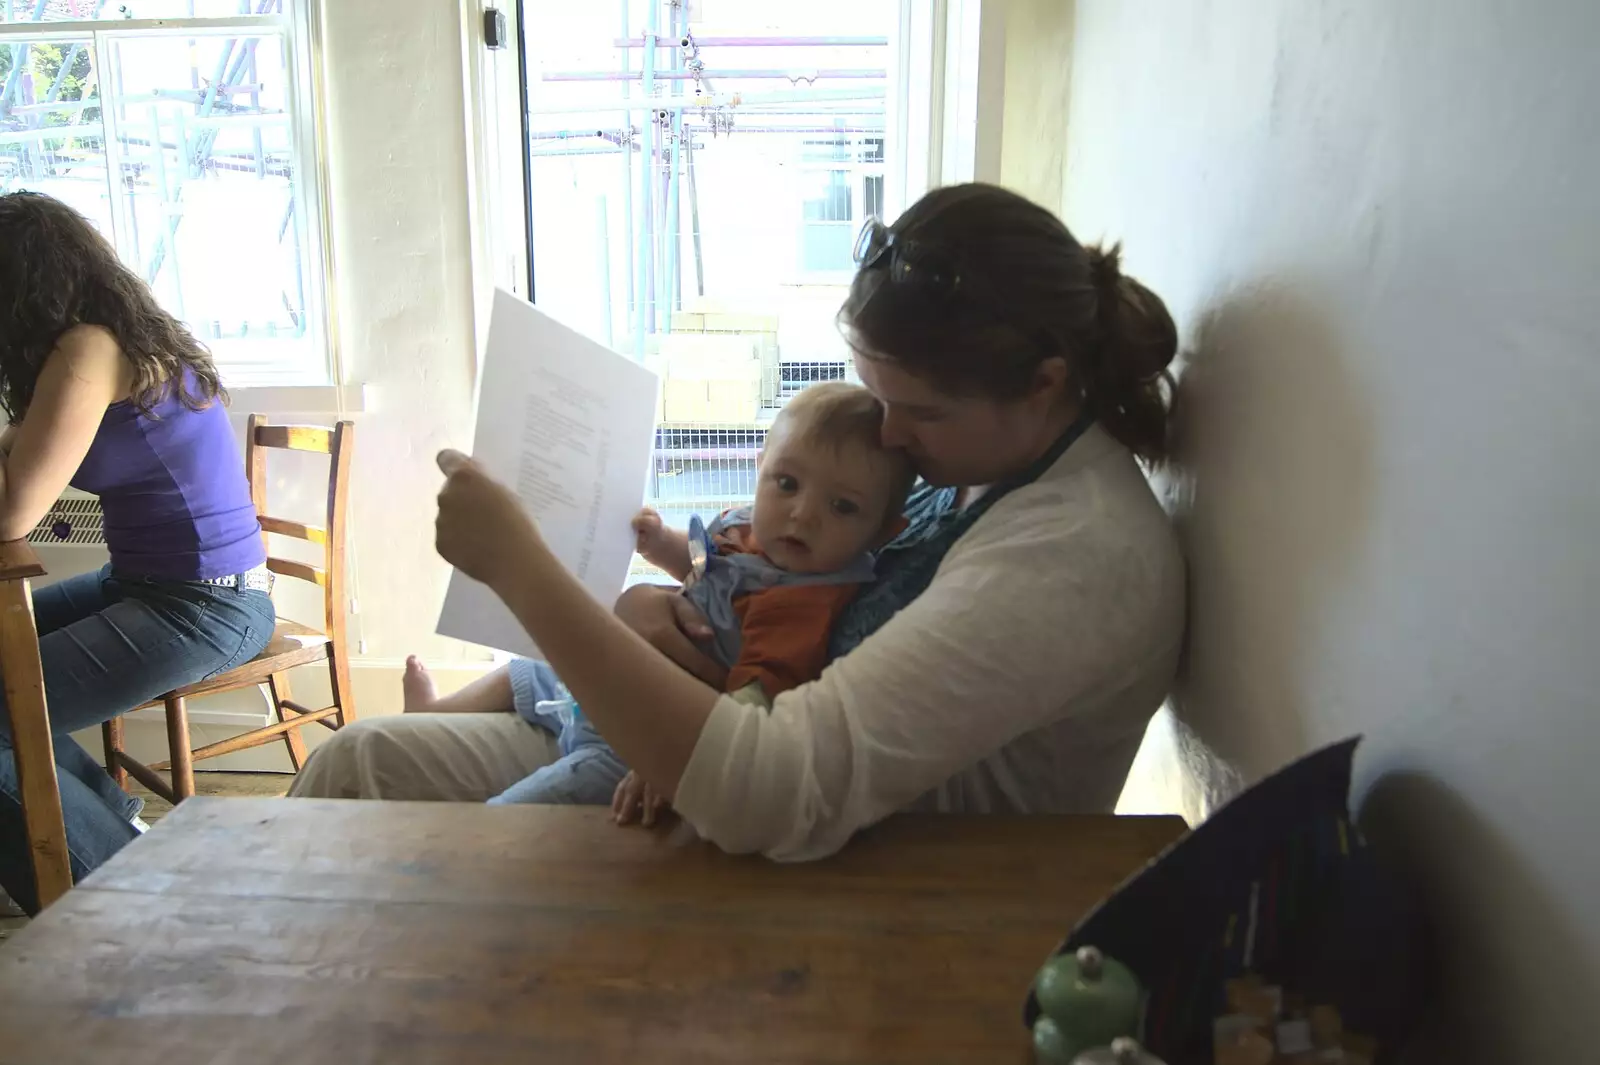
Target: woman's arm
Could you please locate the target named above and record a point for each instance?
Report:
(674, 626)
(647, 708)
(83, 376)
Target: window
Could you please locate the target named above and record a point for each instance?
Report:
(835, 202)
(183, 130)
(697, 176)
(826, 236)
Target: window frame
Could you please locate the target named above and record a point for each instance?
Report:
(296, 27)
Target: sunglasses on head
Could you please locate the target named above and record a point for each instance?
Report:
(907, 262)
(934, 272)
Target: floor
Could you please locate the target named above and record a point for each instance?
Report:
(227, 785)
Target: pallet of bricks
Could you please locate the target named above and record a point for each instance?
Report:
(718, 366)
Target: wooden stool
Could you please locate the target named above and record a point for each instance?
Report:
(31, 745)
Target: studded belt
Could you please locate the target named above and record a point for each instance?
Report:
(257, 580)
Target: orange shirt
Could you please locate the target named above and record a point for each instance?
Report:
(784, 629)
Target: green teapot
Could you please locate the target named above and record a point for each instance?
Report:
(1086, 1001)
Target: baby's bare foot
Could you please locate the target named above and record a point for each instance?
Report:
(420, 694)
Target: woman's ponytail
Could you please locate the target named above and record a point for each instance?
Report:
(1030, 292)
(1126, 381)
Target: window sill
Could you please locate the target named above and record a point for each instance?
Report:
(300, 399)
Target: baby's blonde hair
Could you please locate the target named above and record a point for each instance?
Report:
(835, 414)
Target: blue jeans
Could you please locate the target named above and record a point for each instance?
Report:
(588, 771)
(109, 644)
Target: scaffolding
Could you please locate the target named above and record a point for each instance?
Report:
(677, 98)
(679, 108)
(156, 141)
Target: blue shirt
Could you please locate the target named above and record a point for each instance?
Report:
(173, 492)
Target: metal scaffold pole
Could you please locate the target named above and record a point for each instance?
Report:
(644, 277)
(627, 190)
(680, 25)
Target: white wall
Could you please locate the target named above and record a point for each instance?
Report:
(1038, 90)
(1377, 224)
(403, 289)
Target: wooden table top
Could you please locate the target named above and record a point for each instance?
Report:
(343, 933)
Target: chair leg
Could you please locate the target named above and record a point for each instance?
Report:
(24, 710)
(339, 681)
(278, 685)
(111, 734)
(178, 745)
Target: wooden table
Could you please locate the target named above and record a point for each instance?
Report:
(333, 933)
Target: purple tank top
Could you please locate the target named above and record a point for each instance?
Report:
(173, 491)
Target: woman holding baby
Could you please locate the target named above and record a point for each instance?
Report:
(1015, 637)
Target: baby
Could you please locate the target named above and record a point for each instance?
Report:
(776, 576)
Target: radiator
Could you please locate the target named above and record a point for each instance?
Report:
(83, 549)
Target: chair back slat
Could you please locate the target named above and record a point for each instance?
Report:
(294, 437)
(315, 534)
(285, 567)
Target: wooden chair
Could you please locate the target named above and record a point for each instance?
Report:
(31, 745)
(292, 644)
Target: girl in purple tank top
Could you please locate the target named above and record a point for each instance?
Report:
(104, 390)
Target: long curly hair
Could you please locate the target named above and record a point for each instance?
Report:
(58, 272)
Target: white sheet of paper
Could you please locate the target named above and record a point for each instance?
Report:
(569, 424)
